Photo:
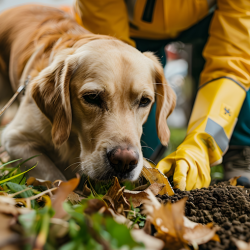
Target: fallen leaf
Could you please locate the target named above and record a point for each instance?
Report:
(86, 191)
(150, 242)
(138, 197)
(116, 199)
(174, 228)
(200, 234)
(96, 205)
(58, 228)
(147, 227)
(233, 181)
(8, 200)
(242, 245)
(9, 209)
(64, 189)
(74, 198)
(38, 182)
(7, 237)
(4, 157)
(121, 219)
(154, 175)
(142, 187)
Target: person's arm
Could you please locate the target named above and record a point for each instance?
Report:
(106, 17)
(224, 81)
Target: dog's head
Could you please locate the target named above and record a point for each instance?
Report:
(103, 92)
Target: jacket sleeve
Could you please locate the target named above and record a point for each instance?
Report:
(226, 74)
(227, 51)
(106, 17)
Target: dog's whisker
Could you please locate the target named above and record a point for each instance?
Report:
(144, 142)
(76, 167)
(71, 165)
(147, 147)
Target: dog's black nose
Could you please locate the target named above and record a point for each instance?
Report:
(123, 160)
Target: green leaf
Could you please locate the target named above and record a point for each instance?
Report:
(79, 217)
(141, 224)
(20, 164)
(13, 177)
(129, 185)
(14, 187)
(72, 245)
(73, 229)
(93, 245)
(9, 162)
(11, 172)
(120, 233)
(48, 246)
(19, 179)
(28, 220)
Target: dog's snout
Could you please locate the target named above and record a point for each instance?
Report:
(123, 160)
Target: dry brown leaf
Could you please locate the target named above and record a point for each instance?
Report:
(242, 245)
(74, 198)
(138, 197)
(4, 157)
(154, 175)
(115, 198)
(150, 242)
(7, 237)
(233, 181)
(147, 227)
(58, 228)
(86, 190)
(96, 205)
(142, 187)
(9, 209)
(121, 219)
(37, 182)
(200, 234)
(174, 228)
(61, 195)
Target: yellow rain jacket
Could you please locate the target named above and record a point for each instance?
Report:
(223, 82)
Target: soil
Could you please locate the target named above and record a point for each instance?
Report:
(225, 205)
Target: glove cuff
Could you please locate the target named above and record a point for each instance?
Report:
(215, 112)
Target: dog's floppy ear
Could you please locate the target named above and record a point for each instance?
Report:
(50, 90)
(165, 100)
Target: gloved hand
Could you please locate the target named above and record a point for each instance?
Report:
(211, 124)
(189, 164)
(224, 80)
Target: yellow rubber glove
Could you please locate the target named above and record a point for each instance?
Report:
(189, 164)
(224, 80)
(213, 118)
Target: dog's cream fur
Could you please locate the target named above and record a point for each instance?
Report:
(53, 119)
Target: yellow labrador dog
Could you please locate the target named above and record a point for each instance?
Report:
(87, 99)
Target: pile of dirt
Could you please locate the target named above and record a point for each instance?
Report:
(225, 205)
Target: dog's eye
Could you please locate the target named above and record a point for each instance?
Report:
(93, 99)
(144, 102)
